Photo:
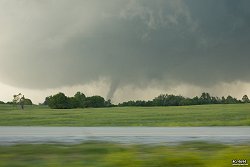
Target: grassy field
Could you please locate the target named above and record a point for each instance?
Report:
(93, 154)
(116, 155)
(203, 115)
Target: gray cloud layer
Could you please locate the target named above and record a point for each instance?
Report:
(46, 44)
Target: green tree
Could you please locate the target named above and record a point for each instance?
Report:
(223, 100)
(205, 98)
(95, 101)
(245, 99)
(108, 103)
(22, 102)
(73, 102)
(160, 100)
(27, 102)
(231, 100)
(46, 101)
(59, 101)
(16, 98)
(19, 99)
(79, 100)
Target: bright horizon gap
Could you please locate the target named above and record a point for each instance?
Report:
(126, 93)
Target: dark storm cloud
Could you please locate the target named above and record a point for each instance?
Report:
(46, 44)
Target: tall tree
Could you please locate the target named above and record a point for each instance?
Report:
(205, 98)
(80, 99)
(22, 100)
(245, 99)
(18, 99)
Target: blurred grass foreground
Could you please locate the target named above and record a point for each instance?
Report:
(198, 154)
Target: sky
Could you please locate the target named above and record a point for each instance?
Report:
(124, 49)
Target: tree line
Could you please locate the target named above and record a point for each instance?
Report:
(18, 99)
(79, 100)
(173, 100)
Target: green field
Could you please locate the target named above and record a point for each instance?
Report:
(91, 154)
(203, 115)
(197, 154)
